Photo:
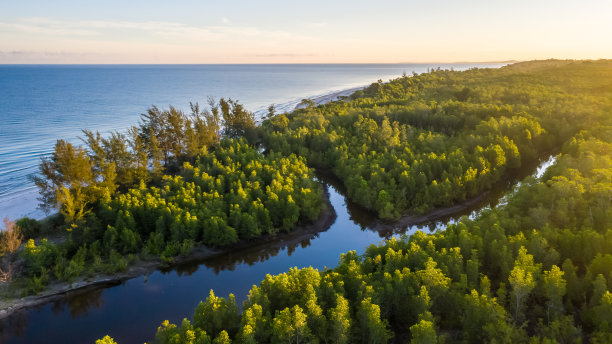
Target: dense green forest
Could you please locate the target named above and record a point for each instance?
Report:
(176, 183)
(434, 139)
(537, 268)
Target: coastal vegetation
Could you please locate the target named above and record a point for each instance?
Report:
(537, 268)
(431, 140)
(176, 183)
(10, 241)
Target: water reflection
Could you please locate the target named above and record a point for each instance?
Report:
(367, 220)
(79, 303)
(16, 324)
(248, 256)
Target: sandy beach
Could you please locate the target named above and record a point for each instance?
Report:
(332, 97)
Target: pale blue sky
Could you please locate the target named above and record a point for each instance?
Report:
(250, 31)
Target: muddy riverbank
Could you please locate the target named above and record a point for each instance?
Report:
(58, 290)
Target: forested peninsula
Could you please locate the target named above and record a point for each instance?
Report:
(537, 268)
(177, 187)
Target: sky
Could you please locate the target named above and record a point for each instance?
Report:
(314, 31)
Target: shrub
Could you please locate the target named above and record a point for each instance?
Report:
(116, 263)
(10, 238)
(186, 247)
(29, 227)
(36, 284)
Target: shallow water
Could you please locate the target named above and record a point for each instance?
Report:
(40, 104)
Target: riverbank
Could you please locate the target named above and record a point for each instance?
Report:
(194, 276)
(58, 290)
(468, 207)
(438, 213)
(327, 217)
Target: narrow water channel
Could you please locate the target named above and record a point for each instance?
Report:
(130, 312)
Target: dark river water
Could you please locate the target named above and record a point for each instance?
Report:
(130, 312)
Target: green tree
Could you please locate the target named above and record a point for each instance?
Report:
(484, 320)
(373, 328)
(222, 338)
(555, 288)
(106, 340)
(254, 325)
(291, 326)
(340, 321)
(238, 122)
(522, 280)
(69, 182)
(423, 332)
(217, 314)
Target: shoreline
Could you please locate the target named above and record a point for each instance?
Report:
(332, 96)
(436, 213)
(200, 254)
(21, 200)
(60, 290)
(57, 291)
(142, 267)
(30, 195)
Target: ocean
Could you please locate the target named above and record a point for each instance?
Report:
(42, 103)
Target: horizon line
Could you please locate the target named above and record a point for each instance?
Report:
(262, 63)
(510, 61)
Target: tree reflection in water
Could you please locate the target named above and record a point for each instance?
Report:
(80, 302)
(15, 325)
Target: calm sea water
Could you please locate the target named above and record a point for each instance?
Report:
(40, 104)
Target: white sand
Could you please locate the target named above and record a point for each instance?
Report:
(330, 97)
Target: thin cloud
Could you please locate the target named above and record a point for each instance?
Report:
(46, 29)
(287, 55)
(27, 56)
(160, 29)
(34, 39)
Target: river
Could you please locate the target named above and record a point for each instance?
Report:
(131, 311)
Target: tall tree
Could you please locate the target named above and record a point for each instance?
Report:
(70, 182)
(522, 280)
(554, 286)
(238, 122)
(373, 328)
(340, 321)
(291, 326)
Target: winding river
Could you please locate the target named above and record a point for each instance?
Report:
(131, 311)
